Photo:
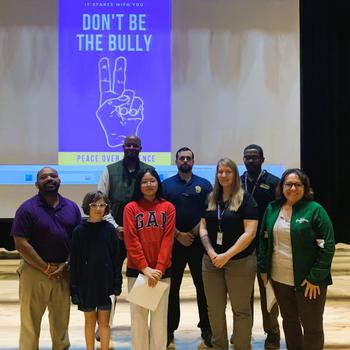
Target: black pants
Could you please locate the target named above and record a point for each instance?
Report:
(270, 319)
(302, 317)
(192, 256)
(121, 258)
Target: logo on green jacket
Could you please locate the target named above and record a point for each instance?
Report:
(301, 220)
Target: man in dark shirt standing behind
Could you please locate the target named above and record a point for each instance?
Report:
(42, 230)
(261, 185)
(188, 193)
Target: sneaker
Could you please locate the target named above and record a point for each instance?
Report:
(272, 341)
(97, 334)
(206, 336)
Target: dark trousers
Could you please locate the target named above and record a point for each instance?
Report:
(270, 319)
(121, 258)
(192, 256)
(302, 317)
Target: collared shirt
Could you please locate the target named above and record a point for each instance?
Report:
(48, 229)
(263, 191)
(189, 199)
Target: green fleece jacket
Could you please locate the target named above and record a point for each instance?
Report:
(312, 240)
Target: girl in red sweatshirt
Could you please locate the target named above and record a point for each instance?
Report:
(149, 226)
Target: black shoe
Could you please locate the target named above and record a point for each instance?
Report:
(231, 339)
(97, 334)
(272, 341)
(206, 336)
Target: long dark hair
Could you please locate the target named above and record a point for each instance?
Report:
(308, 192)
(137, 195)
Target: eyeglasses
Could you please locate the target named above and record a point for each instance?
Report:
(95, 205)
(289, 185)
(150, 182)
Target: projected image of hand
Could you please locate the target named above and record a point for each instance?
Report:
(120, 112)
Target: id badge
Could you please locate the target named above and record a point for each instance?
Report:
(219, 237)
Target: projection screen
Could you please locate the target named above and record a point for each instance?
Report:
(234, 79)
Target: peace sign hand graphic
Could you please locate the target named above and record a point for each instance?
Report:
(120, 112)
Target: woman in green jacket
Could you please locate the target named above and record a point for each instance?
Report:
(295, 253)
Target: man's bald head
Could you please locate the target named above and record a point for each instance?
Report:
(132, 147)
(47, 180)
(45, 170)
(133, 139)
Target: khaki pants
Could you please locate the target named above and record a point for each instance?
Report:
(236, 279)
(36, 292)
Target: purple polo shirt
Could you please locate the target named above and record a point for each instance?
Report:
(48, 229)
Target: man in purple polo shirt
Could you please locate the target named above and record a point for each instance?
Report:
(42, 231)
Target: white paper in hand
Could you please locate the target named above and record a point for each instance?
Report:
(270, 296)
(145, 296)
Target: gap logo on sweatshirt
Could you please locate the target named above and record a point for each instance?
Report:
(150, 221)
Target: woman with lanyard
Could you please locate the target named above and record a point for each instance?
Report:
(227, 231)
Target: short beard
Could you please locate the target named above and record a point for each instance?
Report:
(131, 156)
(186, 169)
(49, 192)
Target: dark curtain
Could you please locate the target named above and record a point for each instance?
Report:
(325, 106)
(6, 241)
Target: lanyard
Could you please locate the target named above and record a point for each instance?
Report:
(220, 215)
(262, 172)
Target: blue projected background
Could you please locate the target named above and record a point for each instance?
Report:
(89, 175)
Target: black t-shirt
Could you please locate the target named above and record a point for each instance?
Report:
(232, 225)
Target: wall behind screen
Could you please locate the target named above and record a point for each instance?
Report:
(236, 78)
(235, 74)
